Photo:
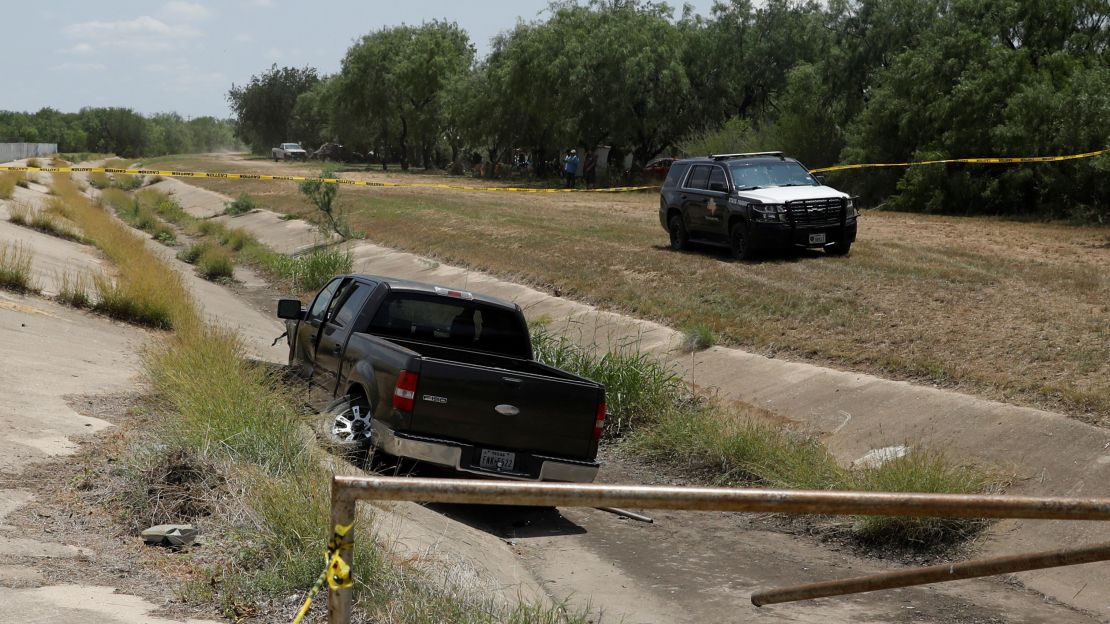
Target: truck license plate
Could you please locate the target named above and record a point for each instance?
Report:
(817, 239)
(497, 460)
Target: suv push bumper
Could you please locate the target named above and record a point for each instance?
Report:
(777, 235)
(464, 458)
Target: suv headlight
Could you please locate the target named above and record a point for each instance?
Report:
(852, 212)
(771, 213)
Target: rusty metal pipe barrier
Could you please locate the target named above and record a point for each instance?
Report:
(347, 491)
(935, 574)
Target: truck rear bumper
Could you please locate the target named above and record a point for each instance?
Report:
(459, 456)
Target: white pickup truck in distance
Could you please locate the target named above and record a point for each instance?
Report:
(289, 151)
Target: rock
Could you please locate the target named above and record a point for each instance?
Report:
(170, 534)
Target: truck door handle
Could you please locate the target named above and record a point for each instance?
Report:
(337, 349)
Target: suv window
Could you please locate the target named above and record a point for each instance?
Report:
(675, 174)
(717, 176)
(699, 177)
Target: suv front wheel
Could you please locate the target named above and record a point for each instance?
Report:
(738, 242)
(680, 239)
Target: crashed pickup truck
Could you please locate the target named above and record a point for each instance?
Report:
(442, 376)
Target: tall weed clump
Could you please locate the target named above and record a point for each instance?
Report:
(8, 182)
(15, 267)
(144, 290)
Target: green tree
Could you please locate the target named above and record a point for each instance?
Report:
(264, 106)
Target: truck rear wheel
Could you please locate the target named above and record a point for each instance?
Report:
(348, 424)
(680, 239)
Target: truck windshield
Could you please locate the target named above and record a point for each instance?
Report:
(292, 146)
(753, 174)
(455, 323)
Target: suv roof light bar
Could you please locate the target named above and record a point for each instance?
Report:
(726, 156)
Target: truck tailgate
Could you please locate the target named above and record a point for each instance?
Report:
(498, 408)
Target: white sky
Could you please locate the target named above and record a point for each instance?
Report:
(183, 56)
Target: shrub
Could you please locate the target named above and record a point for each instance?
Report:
(240, 205)
(8, 181)
(34, 162)
(698, 337)
(15, 267)
(74, 290)
(193, 252)
(215, 264)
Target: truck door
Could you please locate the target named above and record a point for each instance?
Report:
(694, 199)
(336, 330)
(309, 329)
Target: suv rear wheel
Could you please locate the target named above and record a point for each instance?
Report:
(738, 242)
(680, 239)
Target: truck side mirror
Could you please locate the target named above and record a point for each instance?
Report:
(290, 309)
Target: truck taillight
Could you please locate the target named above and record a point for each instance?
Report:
(404, 395)
(599, 424)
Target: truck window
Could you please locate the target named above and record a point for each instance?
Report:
(320, 306)
(462, 324)
(354, 298)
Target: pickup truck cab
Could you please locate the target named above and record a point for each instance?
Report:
(443, 376)
(289, 151)
(753, 202)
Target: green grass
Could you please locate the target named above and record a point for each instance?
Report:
(139, 214)
(215, 264)
(240, 205)
(698, 337)
(193, 252)
(660, 419)
(306, 273)
(99, 181)
(15, 267)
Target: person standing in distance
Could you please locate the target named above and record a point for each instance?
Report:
(570, 167)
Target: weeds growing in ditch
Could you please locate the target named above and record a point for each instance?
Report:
(15, 267)
(73, 290)
(697, 337)
(140, 215)
(240, 205)
(8, 182)
(215, 263)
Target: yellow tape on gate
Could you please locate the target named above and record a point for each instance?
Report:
(293, 178)
(973, 161)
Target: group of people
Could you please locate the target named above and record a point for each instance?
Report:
(589, 168)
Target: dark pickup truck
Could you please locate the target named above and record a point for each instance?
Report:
(443, 376)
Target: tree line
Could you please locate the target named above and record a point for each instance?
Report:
(838, 81)
(120, 131)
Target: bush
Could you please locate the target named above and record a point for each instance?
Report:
(698, 337)
(240, 205)
(215, 264)
(34, 162)
(15, 267)
(193, 252)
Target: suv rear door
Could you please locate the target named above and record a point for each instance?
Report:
(695, 201)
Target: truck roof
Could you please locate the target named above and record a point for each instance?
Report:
(404, 285)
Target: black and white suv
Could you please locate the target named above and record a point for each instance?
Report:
(753, 202)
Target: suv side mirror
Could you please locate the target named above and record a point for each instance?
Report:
(820, 179)
(290, 309)
(718, 187)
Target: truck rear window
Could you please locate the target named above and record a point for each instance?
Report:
(455, 323)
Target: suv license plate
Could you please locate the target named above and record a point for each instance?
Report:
(817, 239)
(501, 461)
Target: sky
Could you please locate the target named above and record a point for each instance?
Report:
(183, 56)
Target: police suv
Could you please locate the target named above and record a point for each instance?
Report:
(752, 202)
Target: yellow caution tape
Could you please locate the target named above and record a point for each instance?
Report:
(974, 161)
(337, 572)
(292, 178)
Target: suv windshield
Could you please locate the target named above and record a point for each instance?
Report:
(750, 174)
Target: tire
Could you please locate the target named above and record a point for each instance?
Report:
(348, 424)
(838, 249)
(680, 238)
(738, 242)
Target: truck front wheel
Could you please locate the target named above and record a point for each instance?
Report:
(348, 424)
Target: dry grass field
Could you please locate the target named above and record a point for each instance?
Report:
(1013, 311)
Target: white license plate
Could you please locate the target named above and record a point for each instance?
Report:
(497, 460)
(817, 239)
